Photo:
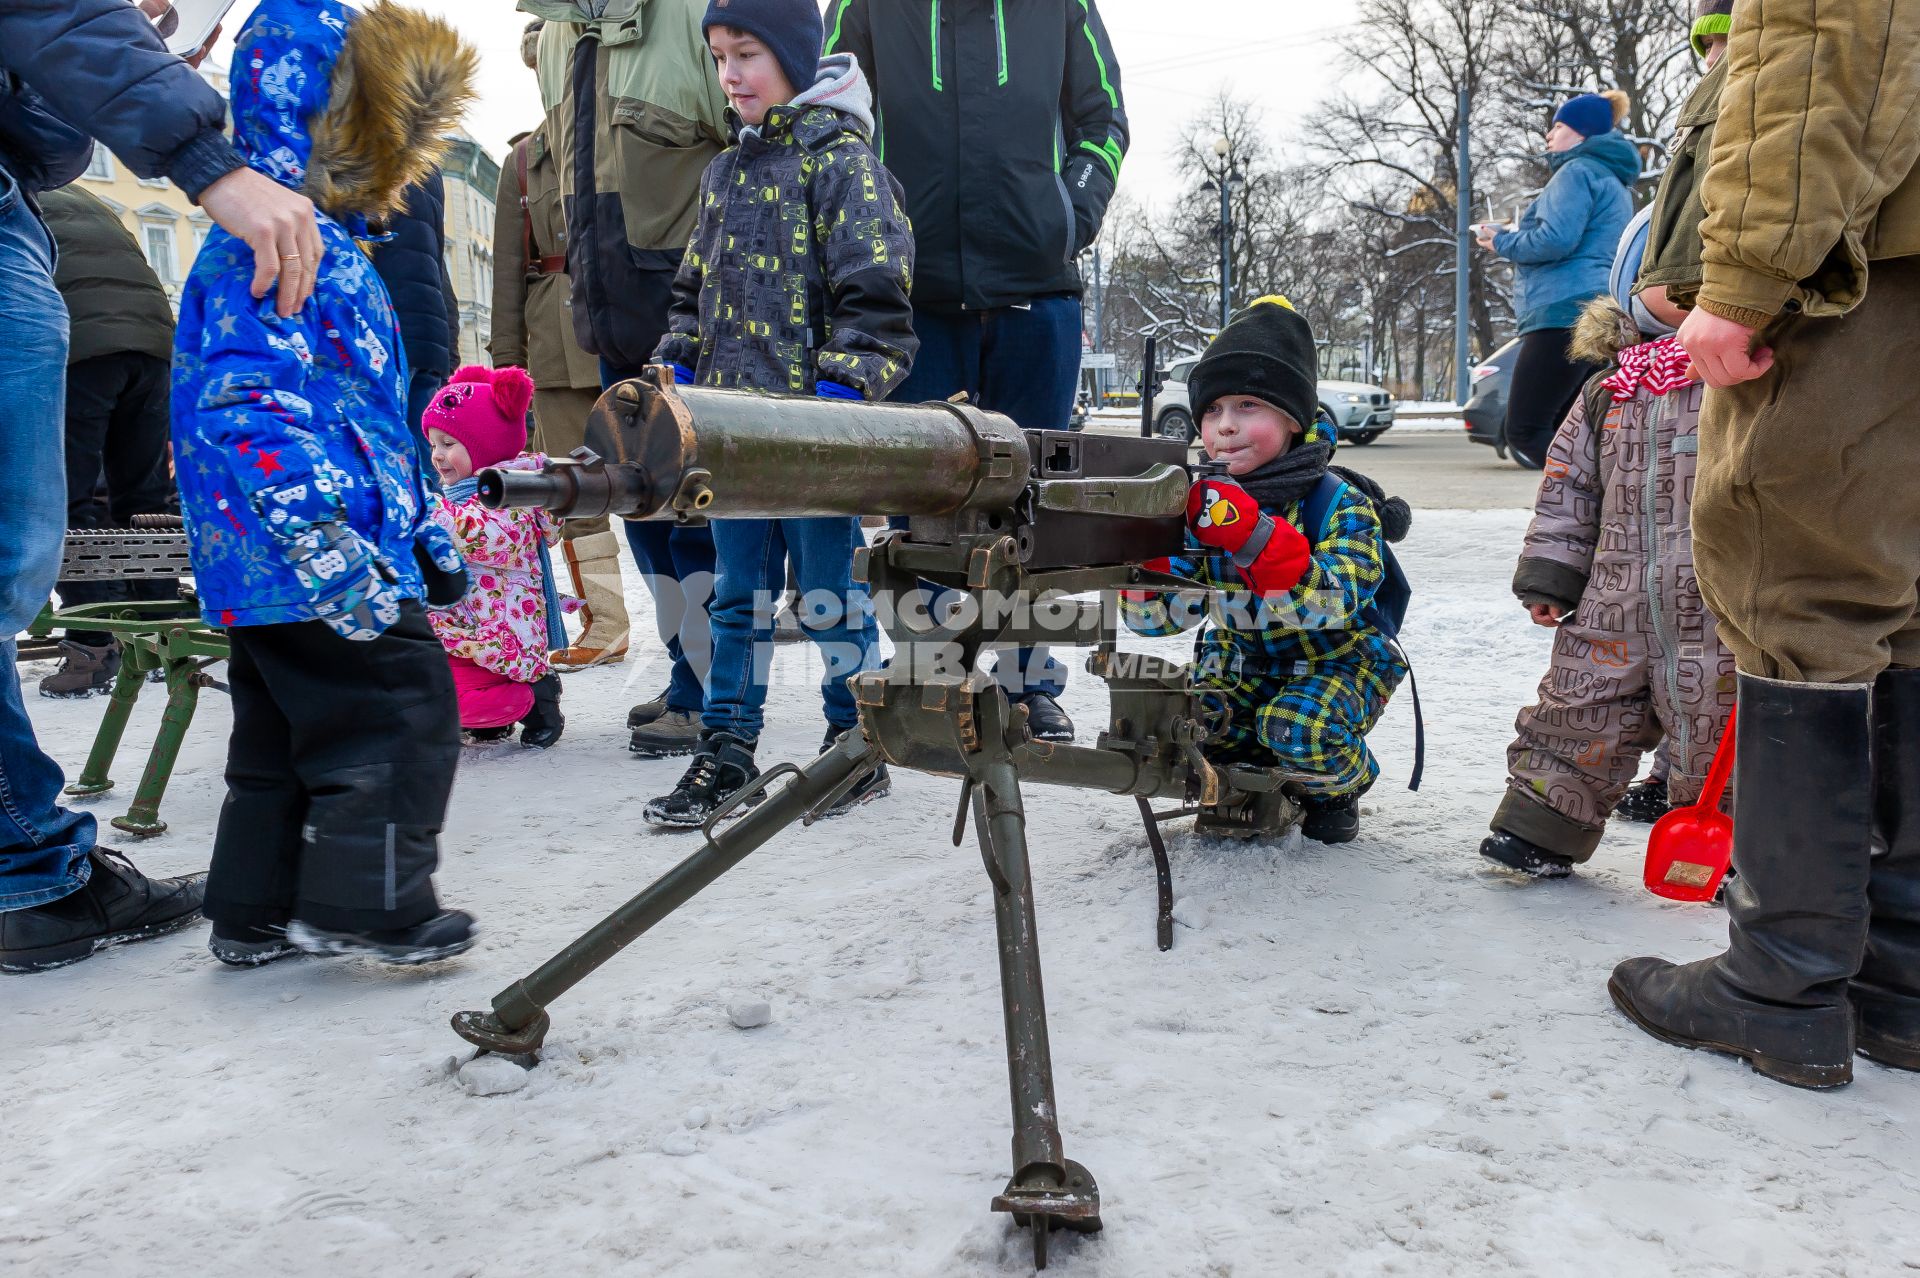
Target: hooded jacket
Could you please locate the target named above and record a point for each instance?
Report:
(282, 424)
(634, 115)
(1004, 121)
(1672, 259)
(802, 258)
(99, 65)
(1564, 242)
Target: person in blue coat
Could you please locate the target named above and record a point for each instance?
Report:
(306, 509)
(72, 71)
(1563, 247)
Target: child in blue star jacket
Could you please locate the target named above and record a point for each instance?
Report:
(306, 510)
(1298, 655)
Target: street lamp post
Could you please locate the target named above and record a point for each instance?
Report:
(1229, 178)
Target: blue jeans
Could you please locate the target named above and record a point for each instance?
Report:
(43, 846)
(676, 562)
(836, 615)
(1020, 361)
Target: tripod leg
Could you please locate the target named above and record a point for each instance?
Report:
(1046, 1189)
(518, 1022)
(1163, 875)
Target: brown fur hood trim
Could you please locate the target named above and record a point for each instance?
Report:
(1602, 332)
(404, 79)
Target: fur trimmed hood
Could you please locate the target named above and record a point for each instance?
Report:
(348, 107)
(1602, 332)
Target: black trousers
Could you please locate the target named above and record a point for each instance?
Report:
(338, 773)
(117, 421)
(1545, 382)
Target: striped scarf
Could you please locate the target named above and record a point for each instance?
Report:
(1659, 366)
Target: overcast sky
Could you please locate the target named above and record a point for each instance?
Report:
(1174, 55)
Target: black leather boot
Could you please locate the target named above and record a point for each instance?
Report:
(116, 905)
(1887, 991)
(1797, 913)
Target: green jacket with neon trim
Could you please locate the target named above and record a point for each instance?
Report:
(1004, 121)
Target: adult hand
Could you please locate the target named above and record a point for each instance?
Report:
(195, 59)
(278, 225)
(1485, 233)
(1544, 614)
(1723, 353)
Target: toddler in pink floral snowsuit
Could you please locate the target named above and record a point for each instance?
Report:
(498, 637)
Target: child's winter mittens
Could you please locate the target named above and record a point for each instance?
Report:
(824, 389)
(1271, 554)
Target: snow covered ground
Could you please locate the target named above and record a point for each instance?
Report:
(1376, 1059)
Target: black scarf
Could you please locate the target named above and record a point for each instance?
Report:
(1292, 475)
(1289, 477)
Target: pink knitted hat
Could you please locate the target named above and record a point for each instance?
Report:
(485, 409)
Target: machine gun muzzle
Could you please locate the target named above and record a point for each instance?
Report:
(653, 450)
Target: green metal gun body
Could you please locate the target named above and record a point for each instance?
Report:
(1040, 520)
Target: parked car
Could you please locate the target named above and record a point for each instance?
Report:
(1486, 407)
(1360, 413)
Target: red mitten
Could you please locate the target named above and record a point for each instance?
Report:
(1271, 554)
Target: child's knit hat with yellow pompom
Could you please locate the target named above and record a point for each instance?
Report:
(1265, 351)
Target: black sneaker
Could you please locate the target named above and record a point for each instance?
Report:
(117, 905)
(675, 732)
(1046, 721)
(1331, 818)
(446, 934)
(721, 765)
(544, 723)
(875, 784)
(647, 711)
(1644, 802)
(238, 946)
(86, 670)
(1515, 853)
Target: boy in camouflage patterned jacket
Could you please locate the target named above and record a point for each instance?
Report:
(1291, 656)
(795, 282)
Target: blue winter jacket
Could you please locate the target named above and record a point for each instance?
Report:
(98, 65)
(1565, 240)
(306, 414)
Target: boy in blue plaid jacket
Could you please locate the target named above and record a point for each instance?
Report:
(1301, 674)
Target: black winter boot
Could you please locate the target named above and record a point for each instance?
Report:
(722, 764)
(542, 725)
(1797, 913)
(1515, 853)
(1644, 802)
(1046, 721)
(240, 945)
(446, 934)
(1887, 992)
(117, 904)
(874, 785)
(1331, 818)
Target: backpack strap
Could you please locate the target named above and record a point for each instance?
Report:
(1316, 513)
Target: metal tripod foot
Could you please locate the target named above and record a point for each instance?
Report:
(488, 1033)
(1042, 1200)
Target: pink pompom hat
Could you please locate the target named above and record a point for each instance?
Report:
(485, 409)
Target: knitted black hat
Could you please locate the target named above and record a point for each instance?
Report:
(1266, 351)
(791, 29)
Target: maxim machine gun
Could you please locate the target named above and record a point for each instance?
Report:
(1018, 524)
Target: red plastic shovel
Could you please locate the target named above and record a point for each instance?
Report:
(1691, 848)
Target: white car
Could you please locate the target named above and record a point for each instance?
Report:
(1360, 413)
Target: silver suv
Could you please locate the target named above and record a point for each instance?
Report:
(1360, 413)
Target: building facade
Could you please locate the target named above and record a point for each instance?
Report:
(471, 177)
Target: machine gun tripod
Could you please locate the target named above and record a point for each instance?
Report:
(996, 515)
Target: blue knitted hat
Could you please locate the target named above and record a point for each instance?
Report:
(790, 28)
(1589, 115)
